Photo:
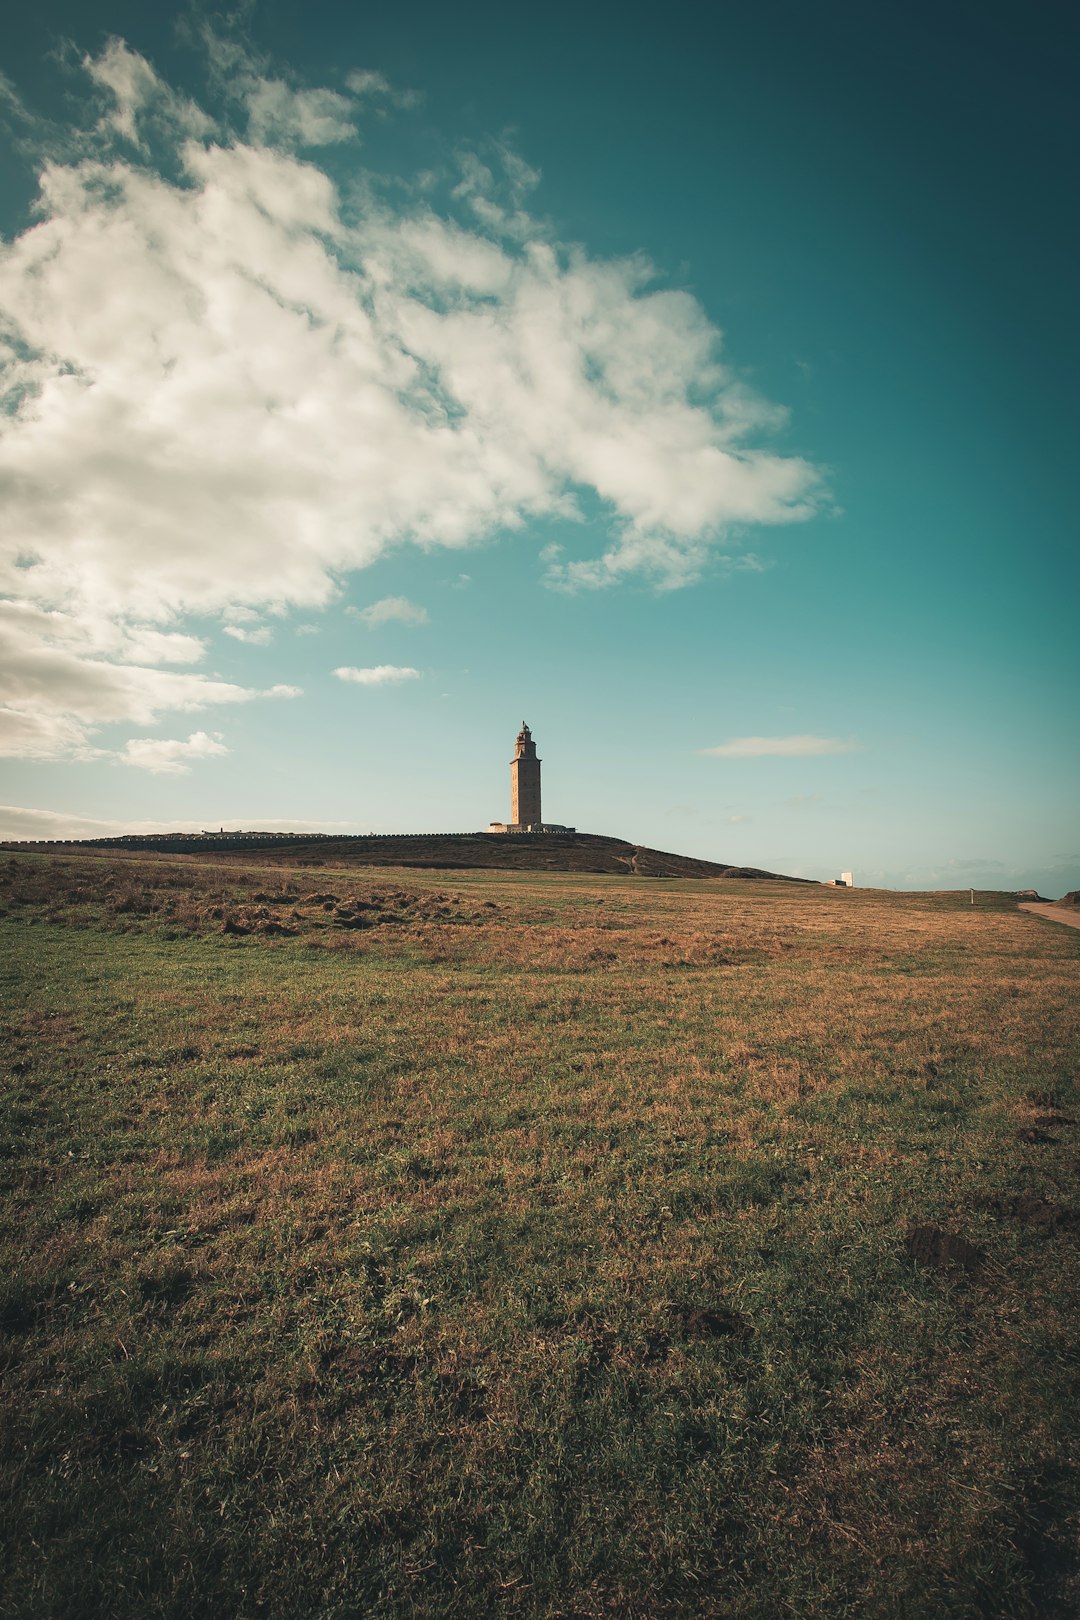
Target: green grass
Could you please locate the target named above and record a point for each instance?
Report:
(533, 1245)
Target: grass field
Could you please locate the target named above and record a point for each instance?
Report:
(381, 1244)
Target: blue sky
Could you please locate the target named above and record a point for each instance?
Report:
(699, 387)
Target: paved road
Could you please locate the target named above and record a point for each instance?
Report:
(1070, 915)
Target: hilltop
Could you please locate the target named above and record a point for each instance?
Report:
(518, 852)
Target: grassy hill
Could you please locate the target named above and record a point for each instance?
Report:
(527, 852)
(525, 1244)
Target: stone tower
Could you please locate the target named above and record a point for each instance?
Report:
(525, 782)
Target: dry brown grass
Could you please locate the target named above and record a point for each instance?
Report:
(539, 1247)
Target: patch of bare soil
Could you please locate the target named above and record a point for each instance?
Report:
(942, 1251)
(1031, 1210)
(1039, 1097)
(715, 1322)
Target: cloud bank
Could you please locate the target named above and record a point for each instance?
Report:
(224, 388)
(22, 822)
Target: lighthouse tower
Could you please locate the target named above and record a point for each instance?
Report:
(525, 783)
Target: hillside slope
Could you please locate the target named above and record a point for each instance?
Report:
(545, 852)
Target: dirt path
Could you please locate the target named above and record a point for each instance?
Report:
(1069, 915)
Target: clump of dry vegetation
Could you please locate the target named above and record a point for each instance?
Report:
(533, 1245)
(193, 899)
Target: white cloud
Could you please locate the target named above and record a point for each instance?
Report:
(131, 81)
(367, 85)
(280, 112)
(378, 675)
(781, 747)
(226, 390)
(62, 675)
(135, 92)
(41, 735)
(496, 196)
(308, 117)
(143, 645)
(311, 117)
(259, 637)
(391, 609)
(170, 756)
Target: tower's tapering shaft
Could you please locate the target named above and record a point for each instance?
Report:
(525, 782)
